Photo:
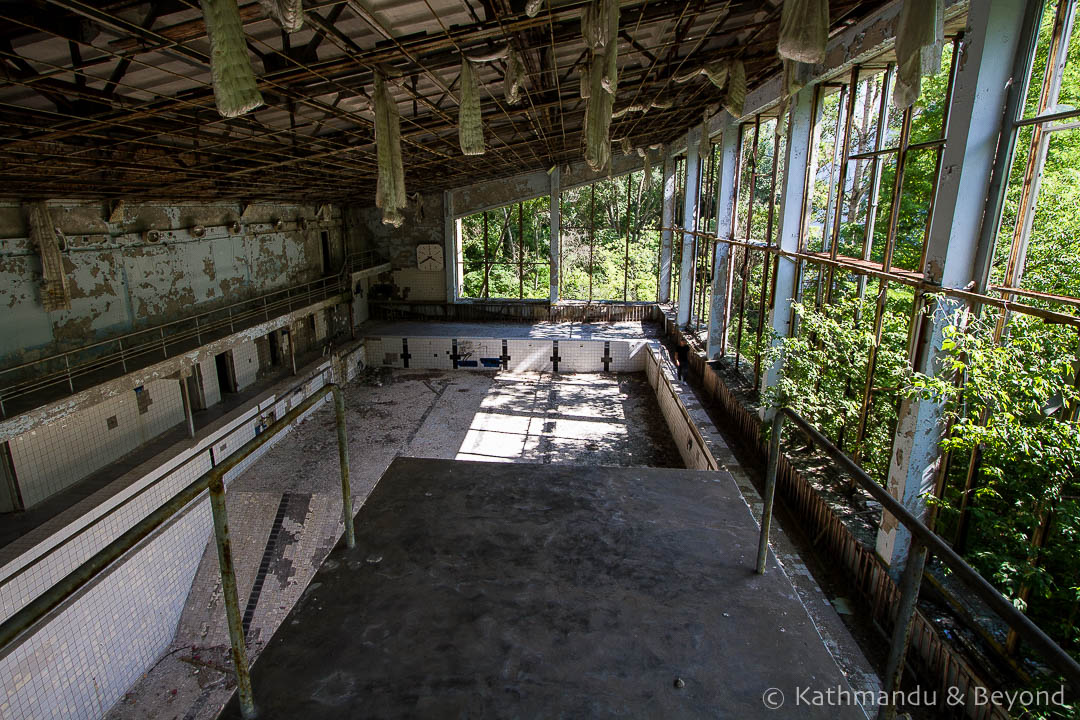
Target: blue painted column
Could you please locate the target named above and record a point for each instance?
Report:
(792, 221)
(720, 302)
(689, 224)
(984, 74)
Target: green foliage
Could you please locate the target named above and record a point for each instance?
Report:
(1017, 404)
(1052, 261)
(824, 371)
(515, 255)
(609, 239)
(609, 243)
(916, 191)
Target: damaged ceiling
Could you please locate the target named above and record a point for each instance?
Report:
(114, 99)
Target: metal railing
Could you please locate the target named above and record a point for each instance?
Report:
(127, 351)
(363, 260)
(923, 541)
(23, 622)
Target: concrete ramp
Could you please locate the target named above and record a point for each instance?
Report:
(485, 590)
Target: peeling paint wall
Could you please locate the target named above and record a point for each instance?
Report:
(398, 245)
(149, 266)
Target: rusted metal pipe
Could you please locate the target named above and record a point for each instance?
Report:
(232, 598)
(999, 604)
(22, 623)
(901, 634)
(770, 489)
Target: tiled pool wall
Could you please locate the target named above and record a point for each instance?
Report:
(512, 354)
(95, 646)
(701, 446)
(89, 652)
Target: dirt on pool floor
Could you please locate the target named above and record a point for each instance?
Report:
(285, 510)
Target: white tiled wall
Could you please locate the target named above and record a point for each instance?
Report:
(55, 456)
(83, 660)
(526, 355)
(87, 656)
(245, 363)
(429, 353)
(695, 448)
(529, 355)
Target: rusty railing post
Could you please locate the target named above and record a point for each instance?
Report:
(770, 489)
(901, 634)
(232, 600)
(343, 461)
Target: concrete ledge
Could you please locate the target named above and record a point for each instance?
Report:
(50, 412)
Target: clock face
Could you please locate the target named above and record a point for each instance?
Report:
(429, 257)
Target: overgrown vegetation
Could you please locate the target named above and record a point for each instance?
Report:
(1017, 406)
(610, 244)
(1011, 497)
(610, 239)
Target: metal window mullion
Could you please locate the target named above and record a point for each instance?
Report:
(1038, 150)
(1055, 61)
(592, 234)
(693, 230)
(487, 257)
(834, 195)
(874, 201)
(849, 119)
(734, 225)
(954, 64)
(766, 260)
(743, 274)
(626, 255)
(701, 259)
(521, 251)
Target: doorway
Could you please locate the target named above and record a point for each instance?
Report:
(226, 375)
(275, 348)
(195, 389)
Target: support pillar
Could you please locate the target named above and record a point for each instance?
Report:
(798, 171)
(451, 247)
(185, 396)
(555, 220)
(667, 219)
(984, 75)
(689, 224)
(720, 298)
(292, 349)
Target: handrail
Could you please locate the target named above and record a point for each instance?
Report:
(365, 259)
(193, 458)
(159, 340)
(924, 540)
(260, 306)
(23, 622)
(153, 328)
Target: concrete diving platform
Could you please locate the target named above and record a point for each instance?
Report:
(488, 590)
